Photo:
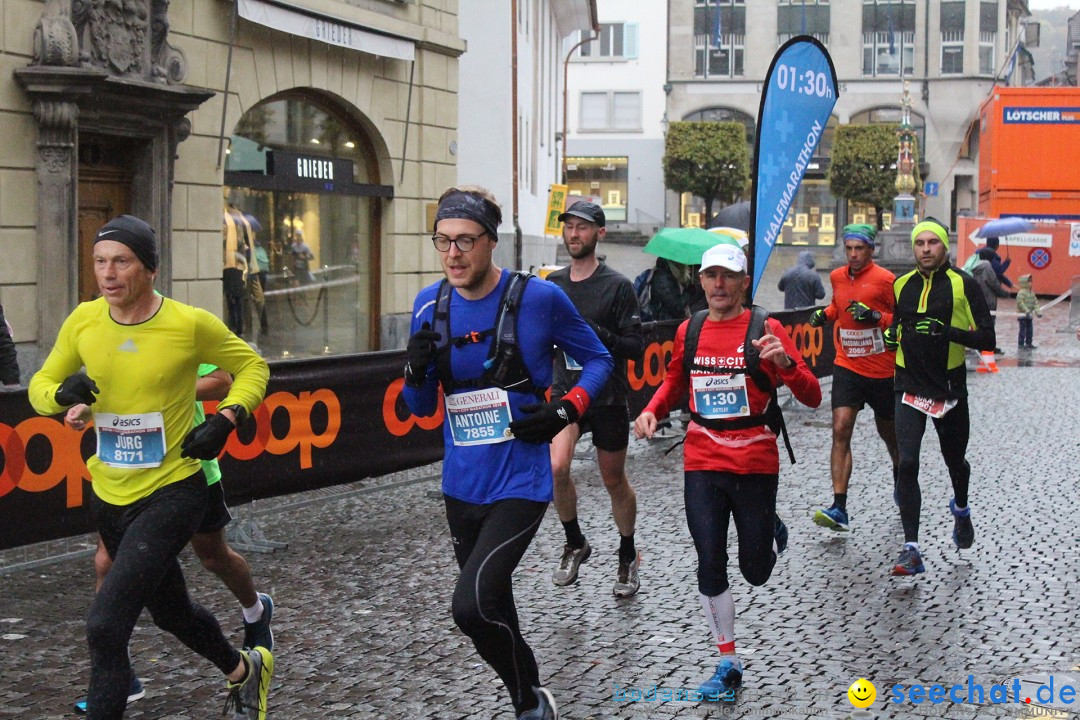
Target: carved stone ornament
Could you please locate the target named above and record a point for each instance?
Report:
(55, 159)
(55, 41)
(126, 38)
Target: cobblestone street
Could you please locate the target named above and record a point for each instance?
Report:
(362, 594)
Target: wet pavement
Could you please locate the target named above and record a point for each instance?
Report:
(362, 620)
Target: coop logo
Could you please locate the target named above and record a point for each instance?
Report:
(398, 426)
(652, 368)
(123, 422)
(809, 340)
(61, 448)
(1041, 115)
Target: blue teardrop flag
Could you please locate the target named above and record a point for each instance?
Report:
(799, 95)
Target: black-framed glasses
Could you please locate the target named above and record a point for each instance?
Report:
(464, 242)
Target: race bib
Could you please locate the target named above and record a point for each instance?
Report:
(571, 363)
(930, 407)
(720, 396)
(479, 417)
(130, 441)
(862, 342)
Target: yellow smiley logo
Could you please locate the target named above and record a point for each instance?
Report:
(862, 692)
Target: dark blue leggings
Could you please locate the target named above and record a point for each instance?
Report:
(143, 540)
(489, 541)
(952, 431)
(1026, 326)
(711, 497)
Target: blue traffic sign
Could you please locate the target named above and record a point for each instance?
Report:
(930, 189)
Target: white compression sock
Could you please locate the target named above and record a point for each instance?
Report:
(720, 615)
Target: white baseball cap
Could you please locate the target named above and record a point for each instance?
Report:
(726, 256)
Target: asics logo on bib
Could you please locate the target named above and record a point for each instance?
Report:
(126, 422)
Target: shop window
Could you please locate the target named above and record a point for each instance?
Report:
(719, 38)
(888, 28)
(602, 180)
(812, 215)
(300, 223)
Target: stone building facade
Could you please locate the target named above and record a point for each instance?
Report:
(303, 141)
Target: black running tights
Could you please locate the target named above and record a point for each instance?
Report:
(489, 541)
(712, 498)
(143, 540)
(952, 431)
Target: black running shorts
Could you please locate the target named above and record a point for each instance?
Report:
(850, 389)
(217, 512)
(609, 425)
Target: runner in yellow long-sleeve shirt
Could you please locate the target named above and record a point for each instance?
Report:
(141, 353)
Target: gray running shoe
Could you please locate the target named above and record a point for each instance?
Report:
(627, 583)
(247, 699)
(571, 561)
(546, 710)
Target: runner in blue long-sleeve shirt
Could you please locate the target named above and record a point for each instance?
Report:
(487, 336)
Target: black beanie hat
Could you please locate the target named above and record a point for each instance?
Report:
(136, 234)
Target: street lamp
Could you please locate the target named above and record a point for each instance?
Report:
(565, 94)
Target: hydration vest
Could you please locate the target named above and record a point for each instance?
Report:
(773, 417)
(504, 367)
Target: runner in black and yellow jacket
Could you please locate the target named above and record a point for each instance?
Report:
(939, 311)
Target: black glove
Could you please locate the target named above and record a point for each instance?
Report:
(206, 441)
(420, 353)
(546, 421)
(818, 318)
(603, 334)
(891, 337)
(78, 388)
(862, 313)
(930, 326)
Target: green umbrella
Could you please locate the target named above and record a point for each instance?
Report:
(686, 245)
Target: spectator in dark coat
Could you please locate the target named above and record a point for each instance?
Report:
(670, 290)
(9, 366)
(989, 252)
(801, 284)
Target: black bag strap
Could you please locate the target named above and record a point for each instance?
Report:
(504, 367)
(773, 417)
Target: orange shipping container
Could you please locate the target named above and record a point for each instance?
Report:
(1029, 153)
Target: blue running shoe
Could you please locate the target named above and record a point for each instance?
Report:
(833, 518)
(258, 633)
(135, 692)
(909, 563)
(963, 534)
(723, 683)
(780, 534)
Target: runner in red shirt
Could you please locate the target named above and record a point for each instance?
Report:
(729, 472)
(861, 308)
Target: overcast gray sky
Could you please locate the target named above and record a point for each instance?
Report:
(1045, 4)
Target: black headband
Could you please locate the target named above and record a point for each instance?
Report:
(136, 234)
(470, 206)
